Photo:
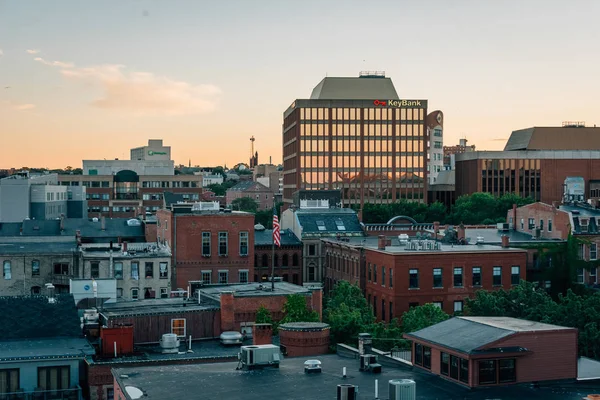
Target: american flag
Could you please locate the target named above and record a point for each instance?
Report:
(276, 229)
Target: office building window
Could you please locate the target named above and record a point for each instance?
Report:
(178, 326)
(476, 276)
(135, 270)
(223, 277)
(497, 276)
(515, 275)
(382, 276)
(164, 293)
(458, 306)
(593, 251)
(243, 277)
(149, 270)
(206, 244)
(35, 267)
(163, 270)
(95, 270)
(437, 278)
(206, 277)
(222, 243)
(243, 243)
(118, 270)
(54, 378)
(391, 279)
(458, 277)
(413, 278)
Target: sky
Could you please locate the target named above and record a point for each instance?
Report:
(92, 79)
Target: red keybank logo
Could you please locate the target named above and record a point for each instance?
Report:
(380, 103)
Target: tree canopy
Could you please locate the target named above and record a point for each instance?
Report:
(296, 310)
(247, 204)
(421, 317)
(263, 316)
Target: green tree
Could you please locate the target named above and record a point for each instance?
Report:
(436, 212)
(347, 312)
(421, 317)
(247, 204)
(295, 310)
(219, 171)
(263, 316)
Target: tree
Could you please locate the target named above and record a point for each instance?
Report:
(347, 312)
(220, 189)
(219, 171)
(247, 204)
(263, 316)
(421, 317)
(295, 310)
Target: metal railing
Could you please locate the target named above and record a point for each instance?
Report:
(39, 394)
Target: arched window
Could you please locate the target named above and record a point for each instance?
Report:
(284, 262)
(36, 290)
(295, 260)
(265, 260)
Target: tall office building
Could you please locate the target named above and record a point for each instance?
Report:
(356, 135)
(435, 145)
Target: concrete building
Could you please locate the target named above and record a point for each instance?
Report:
(435, 145)
(450, 153)
(492, 351)
(357, 136)
(255, 190)
(288, 256)
(38, 197)
(142, 270)
(155, 151)
(209, 246)
(313, 221)
(263, 170)
(211, 179)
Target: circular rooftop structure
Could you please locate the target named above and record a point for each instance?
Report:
(304, 326)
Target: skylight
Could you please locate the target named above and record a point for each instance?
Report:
(340, 225)
(321, 225)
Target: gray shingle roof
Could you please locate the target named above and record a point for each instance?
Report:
(334, 88)
(248, 185)
(115, 227)
(45, 349)
(265, 238)
(468, 334)
(38, 247)
(329, 222)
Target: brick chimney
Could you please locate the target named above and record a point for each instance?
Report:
(262, 334)
(124, 247)
(317, 301)
(381, 241)
(227, 311)
(103, 223)
(460, 232)
(505, 241)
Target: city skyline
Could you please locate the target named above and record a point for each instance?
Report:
(85, 81)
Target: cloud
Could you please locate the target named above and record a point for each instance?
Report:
(498, 140)
(58, 64)
(141, 93)
(32, 51)
(9, 105)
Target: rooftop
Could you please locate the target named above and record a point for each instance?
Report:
(134, 250)
(329, 222)
(363, 88)
(155, 307)
(469, 334)
(38, 247)
(253, 289)
(47, 348)
(221, 380)
(89, 228)
(494, 236)
(529, 154)
(554, 138)
(243, 186)
(265, 238)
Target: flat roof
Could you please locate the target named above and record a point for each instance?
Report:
(223, 381)
(254, 289)
(155, 307)
(37, 248)
(494, 236)
(554, 138)
(134, 250)
(50, 348)
(580, 211)
(529, 155)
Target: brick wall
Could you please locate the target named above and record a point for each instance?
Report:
(262, 334)
(541, 211)
(304, 343)
(288, 271)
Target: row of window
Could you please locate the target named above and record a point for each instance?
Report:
(373, 270)
(59, 196)
(134, 270)
(48, 378)
(167, 184)
(223, 243)
(148, 293)
(531, 224)
(284, 260)
(223, 276)
(383, 308)
(476, 276)
(58, 269)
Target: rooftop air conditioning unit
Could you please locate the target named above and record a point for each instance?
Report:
(169, 343)
(347, 392)
(402, 389)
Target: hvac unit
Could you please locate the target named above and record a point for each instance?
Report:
(259, 356)
(231, 338)
(347, 392)
(368, 363)
(169, 343)
(402, 389)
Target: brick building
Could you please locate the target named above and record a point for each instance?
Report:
(344, 260)
(262, 194)
(400, 275)
(209, 246)
(288, 256)
(491, 351)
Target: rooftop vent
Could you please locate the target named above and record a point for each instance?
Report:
(169, 343)
(371, 74)
(573, 124)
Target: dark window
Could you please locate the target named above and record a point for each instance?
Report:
(476, 276)
(464, 370)
(369, 272)
(118, 270)
(413, 278)
(497, 277)
(445, 364)
(418, 354)
(413, 305)
(311, 273)
(54, 378)
(35, 267)
(9, 381)
(374, 273)
(95, 270)
(375, 306)
(311, 250)
(265, 260)
(222, 243)
(163, 270)
(427, 357)
(391, 281)
(286, 278)
(61, 269)
(382, 310)
(458, 277)
(454, 367)
(437, 278)
(515, 275)
(243, 243)
(223, 277)
(487, 372)
(391, 311)
(284, 260)
(149, 270)
(295, 260)
(206, 244)
(110, 394)
(34, 290)
(507, 371)
(382, 276)
(295, 279)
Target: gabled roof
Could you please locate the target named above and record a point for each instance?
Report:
(33, 317)
(245, 186)
(468, 334)
(554, 138)
(351, 88)
(265, 238)
(329, 222)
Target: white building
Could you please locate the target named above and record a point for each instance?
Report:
(155, 151)
(211, 179)
(435, 147)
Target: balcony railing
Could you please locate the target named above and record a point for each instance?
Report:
(60, 279)
(39, 394)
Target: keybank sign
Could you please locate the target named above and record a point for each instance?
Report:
(399, 103)
(152, 152)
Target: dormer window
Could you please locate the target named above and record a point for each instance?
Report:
(321, 225)
(340, 225)
(584, 225)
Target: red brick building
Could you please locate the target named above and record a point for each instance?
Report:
(288, 256)
(254, 190)
(491, 351)
(400, 275)
(302, 339)
(344, 260)
(208, 246)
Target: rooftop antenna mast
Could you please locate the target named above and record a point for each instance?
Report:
(252, 146)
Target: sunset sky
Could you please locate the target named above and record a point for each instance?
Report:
(91, 79)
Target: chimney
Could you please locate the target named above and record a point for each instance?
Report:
(460, 232)
(436, 228)
(78, 237)
(505, 241)
(514, 217)
(124, 247)
(262, 334)
(381, 240)
(103, 223)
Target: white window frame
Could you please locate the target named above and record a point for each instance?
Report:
(184, 326)
(120, 264)
(7, 270)
(244, 237)
(594, 251)
(164, 290)
(209, 272)
(226, 237)
(240, 272)
(166, 264)
(438, 304)
(456, 303)
(137, 293)
(207, 236)
(226, 272)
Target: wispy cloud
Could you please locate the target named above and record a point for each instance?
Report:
(141, 93)
(32, 51)
(499, 140)
(59, 64)
(9, 105)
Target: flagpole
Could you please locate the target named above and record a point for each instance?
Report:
(273, 264)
